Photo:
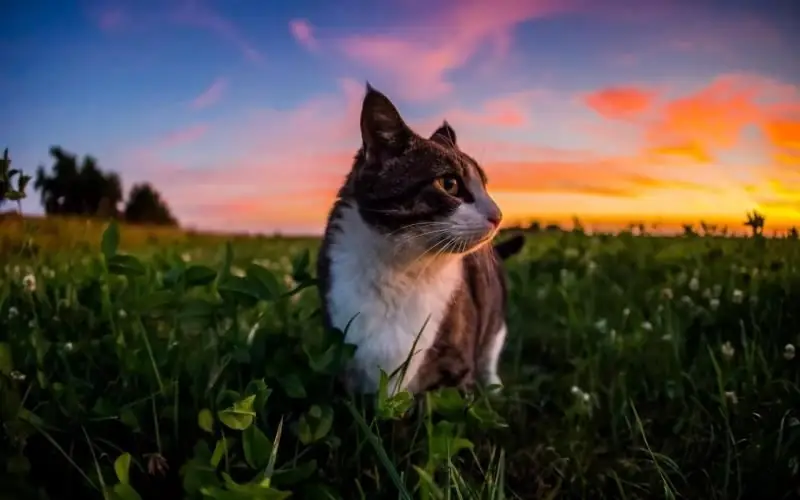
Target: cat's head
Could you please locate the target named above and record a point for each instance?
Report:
(423, 193)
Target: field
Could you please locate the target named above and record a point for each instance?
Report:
(147, 363)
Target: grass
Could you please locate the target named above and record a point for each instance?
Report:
(153, 363)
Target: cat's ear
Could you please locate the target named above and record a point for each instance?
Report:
(382, 127)
(445, 135)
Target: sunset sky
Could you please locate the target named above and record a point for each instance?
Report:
(244, 113)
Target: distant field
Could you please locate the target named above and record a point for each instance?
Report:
(156, 363)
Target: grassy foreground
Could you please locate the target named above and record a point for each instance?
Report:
(153, 364)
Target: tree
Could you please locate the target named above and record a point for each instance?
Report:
(7, 174)
(793, 235)
(756, 222)
(71, 190)
(145, 206)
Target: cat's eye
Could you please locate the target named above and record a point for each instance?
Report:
(448, 184)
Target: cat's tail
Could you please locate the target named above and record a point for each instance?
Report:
(509, 247)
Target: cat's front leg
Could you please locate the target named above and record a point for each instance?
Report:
(491, 360)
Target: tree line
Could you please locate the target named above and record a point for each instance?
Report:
(82, 188)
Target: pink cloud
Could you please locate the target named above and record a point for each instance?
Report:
(418, 57)
(182, 12)
(211, 95)
(184, 136)
(303, 32)
(200, 16)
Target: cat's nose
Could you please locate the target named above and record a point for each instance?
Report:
(495, 219)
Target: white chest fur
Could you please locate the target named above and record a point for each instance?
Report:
(387, 301)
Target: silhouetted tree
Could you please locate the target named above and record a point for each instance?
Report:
(688, 230)
(71, 190)
(552, 228)
(145, 206)
(792, 233)
(8, 192)
(756, 222)
(535, 227)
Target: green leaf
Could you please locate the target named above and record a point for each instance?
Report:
(257, 447)
(300, 264)
(127, 265)
(222, 448)
(259, 389)
(237, 290)
(239, 416)
(315, 424)
(110, 242)
(205, 420)
(128, 418)
(288, 477)
(199, 276)
(293, 386)
(266, 284)
(126, 492)
(6, 361)
(122, 466)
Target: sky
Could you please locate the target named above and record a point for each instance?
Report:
(244, 113)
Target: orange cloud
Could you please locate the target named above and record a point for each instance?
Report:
(692, 151)
(303, 32)
(211, 95)
(417, 57)
(620, 102)
(698, 125)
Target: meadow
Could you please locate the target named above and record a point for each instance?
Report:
(152, 363)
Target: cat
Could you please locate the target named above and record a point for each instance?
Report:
(407, 260)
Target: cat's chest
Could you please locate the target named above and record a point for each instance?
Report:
(388, 309)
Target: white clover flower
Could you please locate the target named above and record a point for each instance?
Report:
(186, 257)
(601, 324)
(13, 312)
(788, 352)
(237, 271)
(666, 337)
(647, 326)
(713, 304)
(694, 284)
(575, 390)
(29, 282)
(626, 312)
(591, 266)
(737, 296)
(586, 397)
(571, 253)
(613, 335)
(16, 375)
(666, 293)
(731, 397)
(16, 272)
(68, 347)
(686, 300)
(727, 350)
(32, 324)
(707, 293)
(122, 314)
